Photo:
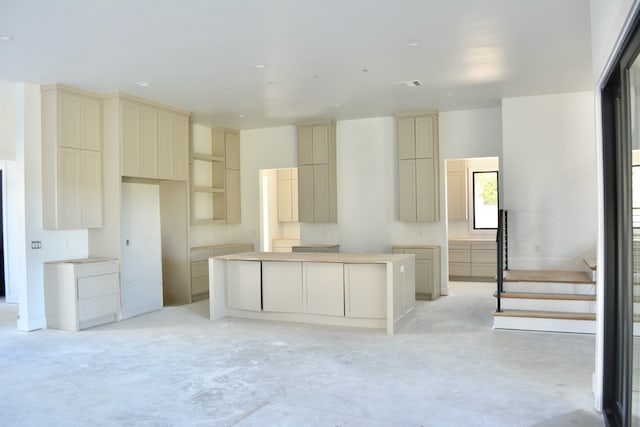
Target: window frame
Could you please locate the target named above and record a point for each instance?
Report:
(473, 197)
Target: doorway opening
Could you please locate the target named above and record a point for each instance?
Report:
(472, 189)
(279, 226)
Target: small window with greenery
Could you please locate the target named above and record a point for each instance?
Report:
(485, 200)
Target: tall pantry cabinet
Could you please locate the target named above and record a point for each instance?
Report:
(71, 158)
(146, 144)
(317, 183)
(418, 167)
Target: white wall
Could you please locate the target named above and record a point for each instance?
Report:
(9, 95)
(608, 19)
(471, 133)
(549, 180)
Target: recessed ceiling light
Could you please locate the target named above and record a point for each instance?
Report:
(315, 76)
(451, 93)
(413, 43)
(365, 70)
(337, 105)
(242, 116)
(142, 84)
(6, 37)
(261, 66)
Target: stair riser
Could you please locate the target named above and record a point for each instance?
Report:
(550, 288)
(549, 305)
(544, 325)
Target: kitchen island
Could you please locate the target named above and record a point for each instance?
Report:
(363, 290)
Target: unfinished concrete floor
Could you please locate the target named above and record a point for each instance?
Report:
(174, 367)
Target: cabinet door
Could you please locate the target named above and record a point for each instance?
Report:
(406, 138)
(407, 190)
(243, 285)
(148, 149)
(426, 191)
(457, 196)
(305, 193)
(320, 144)
(180, 147)
(365, 290)
(282, 286)
(321, 193)
(91, 124)
(323, 288)
(305, 146)
(232, 151)
(425, 136)
(130, 138)
(69, 120)
(284, 200)
(232, 192)
(294, 195)
(424, 278)
(69, 188)
(165, 149)
(91, 189)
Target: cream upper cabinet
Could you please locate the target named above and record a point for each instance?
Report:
(154, 141)
(173, 146)
(287, 195)
(317, 182)
(457, 206)
(418, 171)
(72, 159)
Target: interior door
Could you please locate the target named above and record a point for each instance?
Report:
(141, 267)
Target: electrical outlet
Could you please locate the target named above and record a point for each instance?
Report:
(36, 244)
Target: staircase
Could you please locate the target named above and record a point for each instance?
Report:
(553, 301)
(543, 300)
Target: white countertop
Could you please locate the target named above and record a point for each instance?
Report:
(315, 257)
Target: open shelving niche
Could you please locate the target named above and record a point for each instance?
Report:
(208, 201)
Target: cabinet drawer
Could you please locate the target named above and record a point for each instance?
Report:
(94, 308)
(459, 269)
(96, 268)
(199, 269)
(199, 285)
(483, 256)
(484, 246)
(460, 246)
(97, 286)
(459, 256)
(484, 270)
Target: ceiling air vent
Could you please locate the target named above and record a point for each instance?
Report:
(410, 83)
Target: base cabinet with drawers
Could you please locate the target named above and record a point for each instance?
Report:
(82, 293)
(470, 259)
(427, 268)
(200, 267)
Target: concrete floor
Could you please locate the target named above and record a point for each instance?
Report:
(174, 367)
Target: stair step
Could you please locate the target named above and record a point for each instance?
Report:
(545, 314)
(549, 296)
(548, 276)
(591, 264)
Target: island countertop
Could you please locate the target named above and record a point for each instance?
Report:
(316, 257)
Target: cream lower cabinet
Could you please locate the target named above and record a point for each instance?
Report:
(79, 294)
(243, 285)
(472, 259)
(282, 286)
(365, 290)
(200, 265)
(427, 269)
(323, 288)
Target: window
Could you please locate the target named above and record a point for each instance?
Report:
(485, 200)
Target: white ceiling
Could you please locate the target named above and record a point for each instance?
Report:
(201, 55)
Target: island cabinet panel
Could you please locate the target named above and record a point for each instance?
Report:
(243, 285)
(323, 288)
(282, 286)
(365, 287)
